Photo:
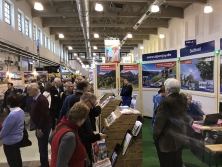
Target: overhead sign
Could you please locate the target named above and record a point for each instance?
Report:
(190, 43)
(160, 55)
(198, 49)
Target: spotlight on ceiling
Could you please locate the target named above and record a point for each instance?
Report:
(96, 35)
(38, 6)
(94, 54)
(141, 47)
(94, 47)
(61, 36)
(75, 54)
(208, 9)
(161, 36)
(78, 58)
(99, 7)
(155, 9)
(129, 35)
(70, 47)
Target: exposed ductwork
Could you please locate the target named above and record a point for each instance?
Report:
(148, 13)
(83, 10)
(145, 16)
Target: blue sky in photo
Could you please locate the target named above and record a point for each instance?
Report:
(151, 67)
(187, 69)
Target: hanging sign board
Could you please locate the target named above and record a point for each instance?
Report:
(198, 49)
(160, 55)
(189, 43)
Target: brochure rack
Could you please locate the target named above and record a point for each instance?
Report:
(115, 134)
(105, 96)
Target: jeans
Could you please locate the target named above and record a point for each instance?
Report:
(43, 146)
(13, 154)
(126, 100)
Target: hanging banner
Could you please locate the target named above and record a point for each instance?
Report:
(221, 44)
(154, 75)
(189, 43)
(112, 51)
(197, 74)
(42, 76)
(106, 76)
(131, 73)
(4, 78)
(91, 73)
(160, 55)
(29, 77)
(16, 78)
(198, 49)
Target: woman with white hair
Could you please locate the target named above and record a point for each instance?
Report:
(169, 125)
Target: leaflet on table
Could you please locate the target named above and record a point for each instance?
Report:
(111, 118)
(126, 142)
(99, 150)
(129, 111)
(104, 163)
(136, 128)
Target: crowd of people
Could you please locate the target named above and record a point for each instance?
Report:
(67, 110)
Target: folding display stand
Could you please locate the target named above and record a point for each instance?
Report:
(115, 134)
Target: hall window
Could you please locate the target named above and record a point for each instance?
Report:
(39, 36)
(27, 27)
(20, 22)
(7, 13)
(34, 33)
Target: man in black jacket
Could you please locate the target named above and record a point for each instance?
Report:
(55, 101)
(126, 93)
(10, 90)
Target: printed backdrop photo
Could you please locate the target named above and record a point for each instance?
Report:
(112, 51)
(129, 72)
(154, 75)
(197, 74)
(106, 76)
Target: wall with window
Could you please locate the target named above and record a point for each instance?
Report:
(19, 28)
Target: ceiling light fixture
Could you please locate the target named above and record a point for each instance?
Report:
(94, 54)
(99, 7)
(75, 54)
(208, 9)
(94, 47)
(141, 47)
(70, 47)
(78, 58)
(61, 36)
(155, 9)
(161, 36)
(96, 35)
(129, 35)
(38, 6)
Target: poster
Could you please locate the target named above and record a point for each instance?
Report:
(197, 74)
(154, 75)
(16, 78)
(131, 73)
(3, 78)
(112, 51)
(91, 76)
(42, 76)
(29, 77)
(106, 76)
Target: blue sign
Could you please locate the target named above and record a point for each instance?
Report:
(160, 55)
(198, 49)
(190, 43)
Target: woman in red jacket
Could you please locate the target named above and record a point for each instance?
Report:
(66, 147)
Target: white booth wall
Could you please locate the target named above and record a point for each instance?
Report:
(195, 25)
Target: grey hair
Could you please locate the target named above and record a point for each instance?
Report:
(68, 82)
(34, 86)
(57, 79)
(173, 85)
(87, 96)
(188, 95)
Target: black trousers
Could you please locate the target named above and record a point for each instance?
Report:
(170, 159)
(13, 155)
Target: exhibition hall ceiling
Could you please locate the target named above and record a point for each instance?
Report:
(116, 20)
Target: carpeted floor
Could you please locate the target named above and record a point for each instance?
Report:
(150, 158)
